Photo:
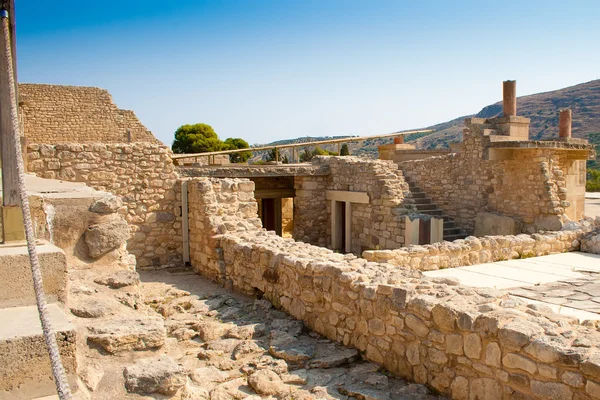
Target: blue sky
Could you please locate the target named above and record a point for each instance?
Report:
(267, 70)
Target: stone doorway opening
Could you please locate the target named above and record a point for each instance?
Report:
(340, 237)
(277, 214)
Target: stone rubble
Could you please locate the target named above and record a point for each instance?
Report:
(214, 345)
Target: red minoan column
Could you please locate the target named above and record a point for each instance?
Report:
(509, 98)
(565, 118)
(399, 140)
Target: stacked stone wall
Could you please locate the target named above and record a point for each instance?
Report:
(142, 174)
(376, 225)
(467, 343)
(216, 207)
(77, 114)
(529, 187)
(473, 250)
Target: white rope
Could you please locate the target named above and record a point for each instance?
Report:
(60, 379)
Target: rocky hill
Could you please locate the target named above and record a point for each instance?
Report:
(542, 108)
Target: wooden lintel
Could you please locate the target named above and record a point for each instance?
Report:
(274, 193)
(352, 197)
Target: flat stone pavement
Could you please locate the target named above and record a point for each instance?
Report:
(592, 204)
(569, 283)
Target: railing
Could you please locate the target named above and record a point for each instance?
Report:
(293, 146)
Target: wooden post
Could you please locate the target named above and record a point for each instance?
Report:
(276, 155)
(12, 217)
(338, 148)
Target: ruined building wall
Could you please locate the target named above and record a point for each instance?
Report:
(528, 187)
(311, 218)
(142, 174)
(216, 207)
(77, 114)
(468, 343)
(473, 250)
(379, 224)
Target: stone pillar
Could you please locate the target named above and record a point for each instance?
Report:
(565, 119)
(509, 98)
(399, 140)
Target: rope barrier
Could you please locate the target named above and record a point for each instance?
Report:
(60, 379)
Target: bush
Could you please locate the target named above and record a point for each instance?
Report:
(592, 184)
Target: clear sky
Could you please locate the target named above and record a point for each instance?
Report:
(267, 70)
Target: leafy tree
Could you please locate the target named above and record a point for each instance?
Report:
(272, 155)
(344, 151)
(237, 143)
(197, 138)
(308, 155)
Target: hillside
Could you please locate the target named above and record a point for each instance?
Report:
(542, 108)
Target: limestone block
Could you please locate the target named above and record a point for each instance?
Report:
(488, 224)
(107, 236)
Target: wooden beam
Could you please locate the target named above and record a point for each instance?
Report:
(294, 145)
(10, 182)
(12, 217)
(352, 197)
(274, 193)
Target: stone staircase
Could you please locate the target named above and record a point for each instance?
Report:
(426, 206)
(25, 371)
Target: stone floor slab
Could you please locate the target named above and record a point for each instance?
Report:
(476, 279)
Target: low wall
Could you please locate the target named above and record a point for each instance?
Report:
(473, 250)
(142, 174)
(468, 343)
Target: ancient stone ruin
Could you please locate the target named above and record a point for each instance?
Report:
(182, 281)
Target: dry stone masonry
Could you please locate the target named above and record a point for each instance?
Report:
(76, 114)
(141, 174)
(474, 250)
(468, 343)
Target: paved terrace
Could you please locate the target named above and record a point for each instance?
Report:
(569, 283)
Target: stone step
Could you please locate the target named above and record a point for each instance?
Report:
(432, 212)
(455, 236)
(17, 283)
(422, 200)
(451, 231)
(448, 223)
(418, 195)
(427, 207)
(25, 371)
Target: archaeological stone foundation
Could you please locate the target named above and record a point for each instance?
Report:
(363, 230)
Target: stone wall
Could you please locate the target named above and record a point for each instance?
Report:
(378, 224)
(216, 207)
(142, 174)
(311, 218)
(468, 343)
(528, 184)
(77, 114)
(473, 250)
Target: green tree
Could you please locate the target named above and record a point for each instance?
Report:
(308, 155)
(344, 151)
(272, 155)
(237, 143)
(197, 138)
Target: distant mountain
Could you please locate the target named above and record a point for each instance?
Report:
(541, 108)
